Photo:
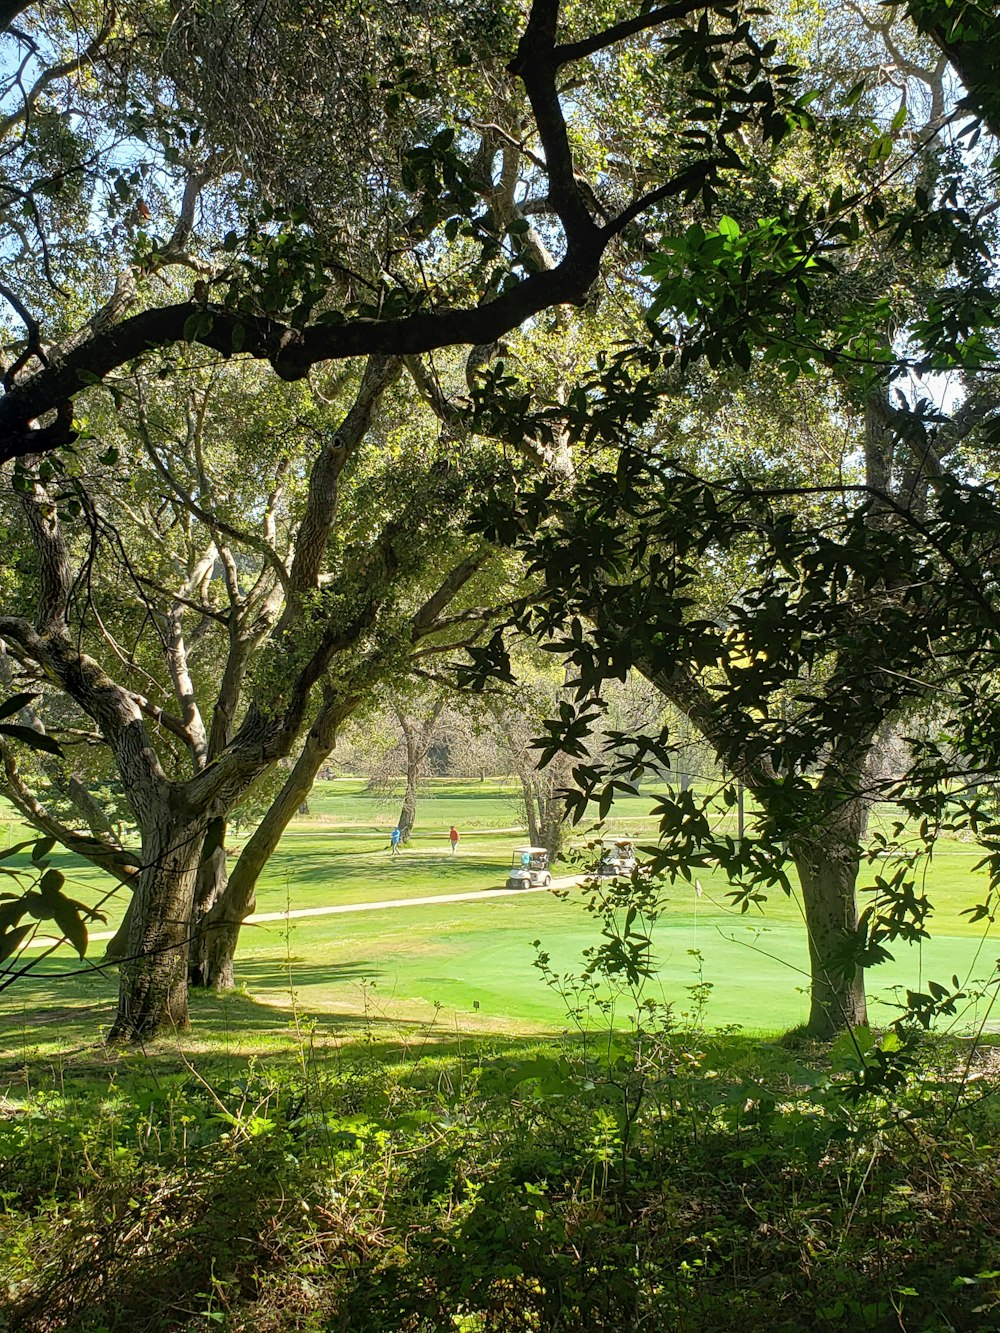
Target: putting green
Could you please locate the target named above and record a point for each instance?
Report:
(474, 960)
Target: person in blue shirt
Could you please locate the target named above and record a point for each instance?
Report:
(395, 838)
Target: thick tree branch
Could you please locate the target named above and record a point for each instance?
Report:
(618, 32)
(429, 388)
(290, 351)
(178, 665)
(427, 619)
(114, 709)
(159, 715)
(55, 574)
(32, 346)
(10, 11)
(536, 65)
(321, 503)
(638, 206)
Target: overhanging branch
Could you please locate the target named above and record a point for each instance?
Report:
(618, 32)
(291, 352)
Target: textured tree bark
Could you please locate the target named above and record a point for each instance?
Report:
(827, 853)
(543, 805)
(533, 807)
(414, 760)
(827, 860)
(117, 946)
(553, 831)
(205, 969)
(153, 991)
(408, 810)
(173, 816)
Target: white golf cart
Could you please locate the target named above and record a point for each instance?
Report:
(617, 857)
(529, 869)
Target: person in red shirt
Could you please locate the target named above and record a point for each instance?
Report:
(453, 838)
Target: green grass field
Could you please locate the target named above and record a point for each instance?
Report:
(468, 966)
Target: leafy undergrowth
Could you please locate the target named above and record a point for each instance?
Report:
(667, 1183)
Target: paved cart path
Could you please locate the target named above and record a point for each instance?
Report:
(562, 882)
(259, 918)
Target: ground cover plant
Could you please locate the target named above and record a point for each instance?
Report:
(648, 1179)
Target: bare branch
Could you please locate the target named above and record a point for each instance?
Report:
(321, 502)
(629, 214)
(201, 607)
(429, 388)
(196, 181)
(33, 346)
(55, 573)
(212, 521)
(426, 619)
(508, 138)
(56, 72)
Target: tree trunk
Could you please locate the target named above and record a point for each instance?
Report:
(91, 810)
(219, 928)
(205, 970)
(544, 806)
(408, 810)
(117, 946)
(554, 826)
(827, 853)
(827, 860)
(532, 806)
(557, 778)
(154, 977)
(418, 738)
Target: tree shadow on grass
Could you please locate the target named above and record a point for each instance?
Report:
(308, 862)
(295, 878)
(53, 1008)
(63, 1020)
(289, 973)
(222, 1226)
(207, 1234)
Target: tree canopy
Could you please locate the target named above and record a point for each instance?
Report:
(276, 314)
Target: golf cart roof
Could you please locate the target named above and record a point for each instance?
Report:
(535, 851)
(617, 842)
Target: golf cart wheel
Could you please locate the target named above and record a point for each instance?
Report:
(546, 881)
